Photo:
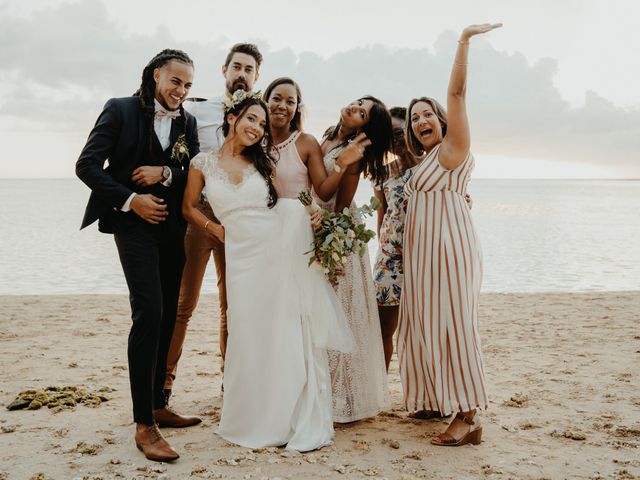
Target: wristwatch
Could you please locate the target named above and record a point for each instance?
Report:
(166, 173)
(337, 167)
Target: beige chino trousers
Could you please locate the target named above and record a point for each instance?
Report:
(199, 246)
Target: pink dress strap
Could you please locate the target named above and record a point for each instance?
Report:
(292, 173)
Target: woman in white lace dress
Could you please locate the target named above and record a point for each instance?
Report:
(282, 315)
(359, 379)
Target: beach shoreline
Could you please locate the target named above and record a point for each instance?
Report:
(561, 370)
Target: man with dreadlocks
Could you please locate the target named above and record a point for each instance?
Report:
(148, 140)
(240, 71)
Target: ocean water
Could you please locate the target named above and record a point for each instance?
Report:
(537, 236)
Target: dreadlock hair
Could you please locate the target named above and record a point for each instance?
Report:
(296, 121)
(147, 89)
(258, 152)
(378, 130)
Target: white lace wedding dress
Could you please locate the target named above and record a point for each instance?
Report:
(358, 379)
(282, 317)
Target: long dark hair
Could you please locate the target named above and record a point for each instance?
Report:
(402, 159)
(257, 153)
(147, 89)
(296, 121)
(378, 130)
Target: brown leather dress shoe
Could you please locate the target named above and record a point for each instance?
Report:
(151, 442)
(165, 417)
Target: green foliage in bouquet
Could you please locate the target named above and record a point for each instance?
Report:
(341, 234)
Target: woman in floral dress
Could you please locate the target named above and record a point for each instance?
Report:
(387, 272)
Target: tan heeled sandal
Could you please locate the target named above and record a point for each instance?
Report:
(473, 436)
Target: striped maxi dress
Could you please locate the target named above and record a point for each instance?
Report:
(438, 340)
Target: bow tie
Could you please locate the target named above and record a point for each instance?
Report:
(163, 112)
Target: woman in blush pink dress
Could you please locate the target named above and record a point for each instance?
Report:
(298, 156)
(438, 340)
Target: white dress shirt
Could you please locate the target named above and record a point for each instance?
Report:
(209, 115)
(162, 129)
(162, 126)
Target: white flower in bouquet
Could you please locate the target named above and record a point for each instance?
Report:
(315, 264)
(341, 234)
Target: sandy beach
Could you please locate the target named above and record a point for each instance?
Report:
(562, 371)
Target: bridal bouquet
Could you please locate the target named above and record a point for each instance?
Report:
(341, 234)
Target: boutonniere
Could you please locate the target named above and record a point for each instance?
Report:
(180, 151)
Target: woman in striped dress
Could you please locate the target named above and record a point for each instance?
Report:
(438, 340)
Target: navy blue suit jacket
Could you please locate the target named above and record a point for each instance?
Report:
(121, 138)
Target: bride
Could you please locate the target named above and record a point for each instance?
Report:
(282, 315)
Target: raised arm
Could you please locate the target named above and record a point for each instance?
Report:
(326, 183)
(457, 141)
(348, 187)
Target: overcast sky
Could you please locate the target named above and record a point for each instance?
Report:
(554, 93)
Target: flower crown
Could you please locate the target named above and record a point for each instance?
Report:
(231, 101)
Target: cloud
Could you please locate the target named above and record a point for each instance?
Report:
(59, 66)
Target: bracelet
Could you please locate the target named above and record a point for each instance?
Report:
(205, 225)
(463, 43)
(461, 64)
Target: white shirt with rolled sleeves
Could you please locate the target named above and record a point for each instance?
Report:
(210, 116)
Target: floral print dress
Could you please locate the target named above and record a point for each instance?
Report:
(387, 271)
